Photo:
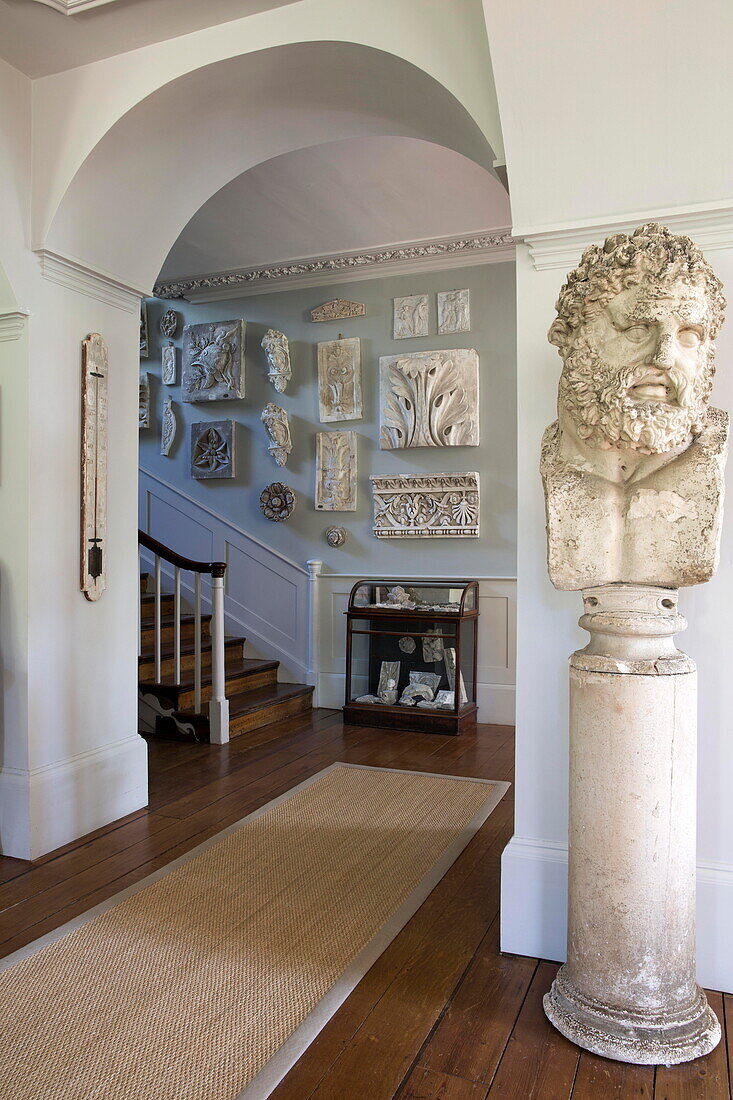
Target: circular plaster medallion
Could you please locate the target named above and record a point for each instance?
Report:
(336, 536)
(407, 644)
(169, 322)
(277, 501)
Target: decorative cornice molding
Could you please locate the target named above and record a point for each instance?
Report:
(480, 248)
(78, 276)
(71, 7)
(562, 247)
(12, 324)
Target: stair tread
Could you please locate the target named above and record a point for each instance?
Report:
(247, 701)
(169, 620)
(187, 648)
(239, 668)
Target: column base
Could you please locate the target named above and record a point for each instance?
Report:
(642, 1039)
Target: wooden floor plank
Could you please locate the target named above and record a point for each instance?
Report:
(599, 1077)
(472, 1035)
(705, 1078)
(539, 1063)
(425, 1084)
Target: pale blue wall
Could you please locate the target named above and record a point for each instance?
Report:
(493, 335)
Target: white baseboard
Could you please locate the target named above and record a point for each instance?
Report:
(534, 876)
(495, 701)
(44, 809)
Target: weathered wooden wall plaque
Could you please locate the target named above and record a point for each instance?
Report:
(94, 372)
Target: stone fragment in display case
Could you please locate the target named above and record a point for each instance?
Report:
(450, 668)
(168, 364)
(336, 469)
(432, 679)
(213, 361)
(429, 399)
(389, 673)
(144, 345)
(454, 311)
(426, 506)
(414, 692)
(407, 644)
(168, 427)
(444, 700)
(338, 310)
(277, 352)
(212, 449)
(339, 380)
(93, 550)
(432, 646)
(277, 501)
(410, 316)
(336, 536)
(277, 428)
(144, 400)
(169, 323)
(368, 699)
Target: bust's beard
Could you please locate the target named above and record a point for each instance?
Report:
(596, 397)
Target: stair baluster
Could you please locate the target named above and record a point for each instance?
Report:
(177, 624)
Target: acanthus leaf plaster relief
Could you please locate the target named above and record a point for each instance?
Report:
(429, 399)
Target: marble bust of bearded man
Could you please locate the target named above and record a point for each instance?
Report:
(633, 466)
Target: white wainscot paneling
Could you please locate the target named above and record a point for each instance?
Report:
(496, 644)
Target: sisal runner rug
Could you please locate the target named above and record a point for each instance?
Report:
(209, 979)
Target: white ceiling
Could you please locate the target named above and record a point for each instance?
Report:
(339, 197)
(39, 40)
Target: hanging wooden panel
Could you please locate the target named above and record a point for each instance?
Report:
(95, 369)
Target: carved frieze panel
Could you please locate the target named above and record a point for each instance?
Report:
(337, 310)
(454, 314)
(94, 372)
(429, 399)
(410, 316)
(212, 449)
(277, 352)
(213, 361)
(168, 428)
(336, 471)
(169, 322)
(168, 364)
(144, 400)
(426, 506)
(339, 380)
(144, 346)
(277, 428)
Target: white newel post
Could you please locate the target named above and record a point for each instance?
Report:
(219, 704)
(314, 625)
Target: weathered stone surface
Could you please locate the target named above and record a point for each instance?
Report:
(168, 365)
(143, 420)
(633, 466)
(429, 399)
(213, 361)
(338, 309)
(277, 352)
(410, 316)
(336, 471)
(339, 380)
(426, 505)
(168, 428)
(277, 427)
(212, 449)
(454, 311)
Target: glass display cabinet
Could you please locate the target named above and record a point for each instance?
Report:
(411, 655)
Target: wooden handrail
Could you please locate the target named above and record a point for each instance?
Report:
(215, 568)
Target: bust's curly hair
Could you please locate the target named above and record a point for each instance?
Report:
(621, 262)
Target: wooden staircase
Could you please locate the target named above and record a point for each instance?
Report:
(167, 708)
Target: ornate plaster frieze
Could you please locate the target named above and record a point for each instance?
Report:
(336, 471)
(168, 364)
(426, 506)
(420, 256)
(168, 428)
(144, 400)
(338, 310)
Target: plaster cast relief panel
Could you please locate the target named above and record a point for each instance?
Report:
(429, 399)
(277, 427)
(336, 536)
(454, 311)
(93, 556)
(339, 380)
(168, 427)
(169, 322)
(277, 501)
(213, 361)
(277, 352)
(336, 461)
(212, 449)
(144, 401)
(410, 316)
(168, 361)
(426, 506)
(337, 310)
(144, 346)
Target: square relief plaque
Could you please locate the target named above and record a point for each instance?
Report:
(429, 399)
(339, 380)
(213, 361)
(212, 449)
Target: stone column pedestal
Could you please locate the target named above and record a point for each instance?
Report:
(628, 988)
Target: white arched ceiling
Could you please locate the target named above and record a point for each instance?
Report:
(160, 163)
(340, 197)
(74, 110)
